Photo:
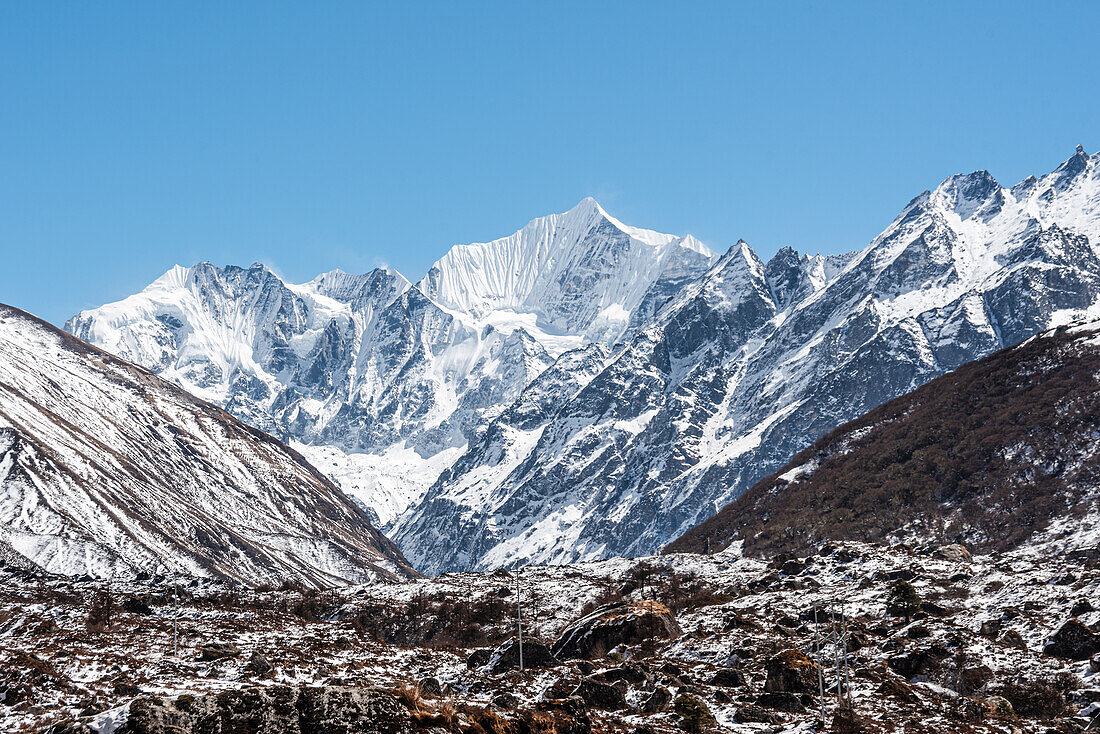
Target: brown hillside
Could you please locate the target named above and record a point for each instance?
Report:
(986, 455)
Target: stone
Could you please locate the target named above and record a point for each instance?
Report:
(791, 672)
(728, 678)
(560, 688)
(1084, 606)
(1073, 641)
(1012, 638)
(506, 657)
(505, 700)
(479, 658)
(952, 552)
(754, 714)
(217, 651)
(569, 715)
(272, 709)
(658, 701)
(632, 673)
(999, 706)
(600, 695)
(975, 677)
(990, 628)
(897, 688)
(1094, 663)
(136, 605)
(694, 714)
(918, 662)
(258, 664)
(622, 623)
(429, 687)
(788, 702)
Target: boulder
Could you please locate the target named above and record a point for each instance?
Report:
(754, 714)
(975, 677)
(990, 628)
(1094, 663)
(952, 552)
(999, 706)
(137, 605)
(632, 673)
(1012, 638)
(1073, 641)
(560, 688)
(658, 701)
(479, 658)
(1083, 606)
(728, 678)
(897, 688)
(600, 695)
(791, 672)
(568, 715)
(217, 651)
(506, 657)
(622, 623)
(505, 700)
(430, 687)
(694, 714)
(921, 661)
(788, 702)
(271, 709)
(258, 664)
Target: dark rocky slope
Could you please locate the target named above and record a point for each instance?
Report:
(990, 455)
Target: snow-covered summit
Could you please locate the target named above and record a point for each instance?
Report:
(580, 272)
(583, 388)
(381, 382)
(751, 362)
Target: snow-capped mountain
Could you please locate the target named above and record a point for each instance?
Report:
(107, 470)
(583, 388)
(754, 361)
(383, 384)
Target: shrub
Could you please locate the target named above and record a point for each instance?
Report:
(1040, 698)
(904, 601)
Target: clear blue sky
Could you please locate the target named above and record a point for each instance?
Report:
(312, 136)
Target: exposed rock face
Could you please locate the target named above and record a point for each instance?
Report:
(622, 623)
(384, 383)
(272, 710)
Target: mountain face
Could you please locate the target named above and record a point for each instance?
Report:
(995, 454)
(583, 388)
(107, 470)
(753, 362)
(383, 384)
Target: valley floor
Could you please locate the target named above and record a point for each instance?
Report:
(970, 658)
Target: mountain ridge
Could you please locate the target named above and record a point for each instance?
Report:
(723, 370)
(107, 470)
(992, 455)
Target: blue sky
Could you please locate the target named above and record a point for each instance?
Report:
(311, 136)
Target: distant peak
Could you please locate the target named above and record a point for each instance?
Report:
(1081, 149)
